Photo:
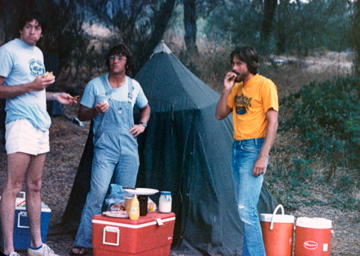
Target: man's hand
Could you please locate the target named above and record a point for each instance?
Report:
(64, 98)
(40, 83)
(262, 161)
(229, 80)
(260, 166)
(137, 129)
(222, 109)
(102, 107)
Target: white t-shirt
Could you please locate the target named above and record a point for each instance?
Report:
(20, 64)
(95, 88)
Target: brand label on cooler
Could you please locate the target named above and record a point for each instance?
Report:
(311, 245)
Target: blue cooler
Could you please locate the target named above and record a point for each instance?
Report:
(21, 224)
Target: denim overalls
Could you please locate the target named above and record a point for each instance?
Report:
(115, 156)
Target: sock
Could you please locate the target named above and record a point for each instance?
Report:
(37, 248)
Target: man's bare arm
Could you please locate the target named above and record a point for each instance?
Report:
(261, 162)
(222, 109)
(40, 83)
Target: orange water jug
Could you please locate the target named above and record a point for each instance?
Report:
(277, 232)
(313, 236)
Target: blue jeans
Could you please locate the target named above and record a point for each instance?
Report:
(247, 193)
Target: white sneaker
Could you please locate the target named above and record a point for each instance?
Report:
(43, 251)
(13, 254)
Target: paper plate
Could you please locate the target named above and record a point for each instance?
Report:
(119, 214)
(142, 191)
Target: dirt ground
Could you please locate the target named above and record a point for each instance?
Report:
(67, 143)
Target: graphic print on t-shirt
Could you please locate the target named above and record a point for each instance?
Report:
(242, 103)
(36, 67)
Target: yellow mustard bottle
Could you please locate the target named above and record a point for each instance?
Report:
(134, 213)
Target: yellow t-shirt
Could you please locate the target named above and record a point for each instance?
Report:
(249, 103)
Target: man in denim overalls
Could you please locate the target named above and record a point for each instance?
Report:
(109, 100)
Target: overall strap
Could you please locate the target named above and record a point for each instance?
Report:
(130, 88)
(108, 89)
(105, 84)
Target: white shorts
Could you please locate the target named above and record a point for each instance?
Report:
(22, 136)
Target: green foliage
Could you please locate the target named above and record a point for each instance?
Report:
(297, 27)
(303, 28)
(286, 198)
(139, 24)
(241, 25)
(301, 171)
(343, 184)
(327, 118)
(347, 203)
(356, 37)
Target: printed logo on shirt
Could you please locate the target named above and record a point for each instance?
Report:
(242, 103)
(36, 67)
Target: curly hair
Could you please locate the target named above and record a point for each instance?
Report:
(29, 16)
(123, 50)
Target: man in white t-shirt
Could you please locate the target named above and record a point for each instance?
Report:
(22, 84)
(109, 101)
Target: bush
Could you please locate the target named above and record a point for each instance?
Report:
(327, 116)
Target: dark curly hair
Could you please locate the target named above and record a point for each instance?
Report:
(29, 16)
(123, 50)
(248, 55)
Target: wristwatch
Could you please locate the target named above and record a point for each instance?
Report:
(144, 124)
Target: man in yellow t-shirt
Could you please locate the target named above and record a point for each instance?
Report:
(253, 101)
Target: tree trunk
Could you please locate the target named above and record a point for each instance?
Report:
(159, 30)
(269, 11)
(190, 26)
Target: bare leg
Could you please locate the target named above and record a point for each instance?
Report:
(33, 200)
(17, 165)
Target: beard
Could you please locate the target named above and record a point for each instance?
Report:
(241, 76)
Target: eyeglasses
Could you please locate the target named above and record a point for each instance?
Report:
(119, 58)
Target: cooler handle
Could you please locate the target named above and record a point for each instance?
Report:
(21, 214)
(159, 222)
(112, 230)
(274, 213)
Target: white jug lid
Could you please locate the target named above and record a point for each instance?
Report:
(313, 222)
(278, 218)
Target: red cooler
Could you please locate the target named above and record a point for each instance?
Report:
(277, 232)
(150, 235)
(313, 237)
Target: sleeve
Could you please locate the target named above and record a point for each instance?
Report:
(88, 98)
(270, 97)
(6, 62)
(141, 99)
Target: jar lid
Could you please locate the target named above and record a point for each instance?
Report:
(165, 193)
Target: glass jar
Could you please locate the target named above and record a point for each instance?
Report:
(165, 201)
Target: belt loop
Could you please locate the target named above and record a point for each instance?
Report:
(256, 141)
